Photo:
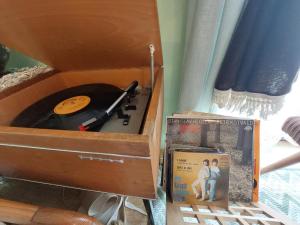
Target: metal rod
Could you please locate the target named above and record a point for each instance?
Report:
(103, 117)
(130, 88)
(152, 50)
(110, 109)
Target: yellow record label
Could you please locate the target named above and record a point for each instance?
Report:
(72, 105)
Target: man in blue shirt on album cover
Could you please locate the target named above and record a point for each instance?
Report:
(212, 180)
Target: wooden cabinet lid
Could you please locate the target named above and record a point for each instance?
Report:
(82, 34)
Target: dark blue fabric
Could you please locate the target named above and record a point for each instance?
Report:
(264, 53)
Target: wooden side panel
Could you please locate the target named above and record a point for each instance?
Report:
(118, 77)
(105, 143)
(117, 174)
(155, 115)
(154, 103)
(26, 83)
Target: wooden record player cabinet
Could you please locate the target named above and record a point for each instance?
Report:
(85, 41)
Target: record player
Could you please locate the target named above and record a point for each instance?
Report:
(109, 42)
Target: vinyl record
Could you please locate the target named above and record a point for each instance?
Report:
(67, 109)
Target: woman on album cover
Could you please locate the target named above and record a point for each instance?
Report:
(202, 179)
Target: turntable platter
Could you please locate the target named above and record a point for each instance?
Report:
(67, 109)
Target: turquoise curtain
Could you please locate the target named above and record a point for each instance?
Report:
(210, 25)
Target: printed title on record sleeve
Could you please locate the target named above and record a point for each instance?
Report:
(209, 121)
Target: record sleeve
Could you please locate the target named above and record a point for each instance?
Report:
(232, 136)
(200, 178)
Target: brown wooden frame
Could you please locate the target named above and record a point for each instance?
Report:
(21, 213)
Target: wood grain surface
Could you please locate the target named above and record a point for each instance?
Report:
(21, 213)
(82, 34)
(117, 174)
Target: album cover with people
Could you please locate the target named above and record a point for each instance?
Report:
(230, 136)
(200, 178)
